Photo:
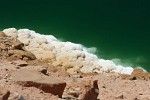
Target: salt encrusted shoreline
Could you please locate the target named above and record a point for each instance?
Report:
(23, 77)
(73, 56)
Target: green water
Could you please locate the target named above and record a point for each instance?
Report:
(117, 28)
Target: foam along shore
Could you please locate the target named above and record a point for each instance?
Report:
(72, 56)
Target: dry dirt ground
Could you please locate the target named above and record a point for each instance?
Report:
(111, 86)
(23, 77)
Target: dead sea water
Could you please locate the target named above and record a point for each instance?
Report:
(118, 29)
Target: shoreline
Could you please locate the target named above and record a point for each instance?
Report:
(64, 54)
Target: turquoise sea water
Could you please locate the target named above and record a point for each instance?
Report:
(119, 29)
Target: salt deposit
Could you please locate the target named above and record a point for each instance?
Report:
(64, 54)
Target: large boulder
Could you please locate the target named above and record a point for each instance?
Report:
(32, 78)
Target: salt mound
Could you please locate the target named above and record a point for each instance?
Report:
(64, 54)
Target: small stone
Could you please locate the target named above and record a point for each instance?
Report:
(20, 63)
(140, 94)
(103, 87)
(77, 76)
(4, 94)
(21, 98)
(74, 93)
(44, 71)
(119, 97)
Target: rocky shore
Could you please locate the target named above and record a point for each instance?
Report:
(24, 77)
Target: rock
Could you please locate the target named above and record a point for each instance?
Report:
(2, 34)
(20, 63)
(44, 71)
(21, 54)
(16, 44)
(12, 43)
(137, 71)
(16, 96)
(139, 74)
(93, 91)
(32, 78)
(77, 76)
(4, 94)
(13, 48)
(62, 72)
(21, 98)
(119, 96)
(84, 90)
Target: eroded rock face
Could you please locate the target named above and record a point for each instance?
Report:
(4, 93)
(20, 63)
(84, 90)
(21, 54)
(137, 74)
(2, 34)
(32, 78)
(140, 74)
(13, 48)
